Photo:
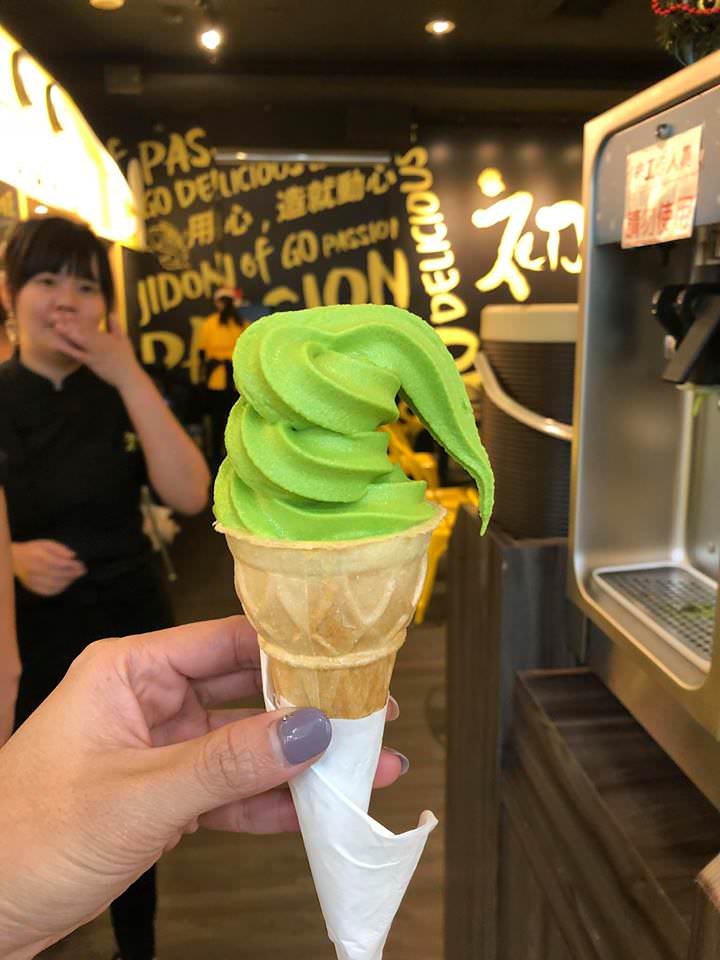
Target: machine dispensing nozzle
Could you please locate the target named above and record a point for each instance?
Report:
(691, 315)
(664, 307)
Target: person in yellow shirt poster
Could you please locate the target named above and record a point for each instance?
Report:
(218, 335)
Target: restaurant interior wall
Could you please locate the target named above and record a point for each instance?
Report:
(459, 219)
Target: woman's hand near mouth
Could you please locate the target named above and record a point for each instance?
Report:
(108, 353)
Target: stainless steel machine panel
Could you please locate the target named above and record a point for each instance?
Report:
(700, 108)
(645, 497)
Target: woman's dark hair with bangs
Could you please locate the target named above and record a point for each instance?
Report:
(54, 245)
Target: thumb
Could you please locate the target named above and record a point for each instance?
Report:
(240, 760)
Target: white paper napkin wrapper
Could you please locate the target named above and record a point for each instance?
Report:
(361, 869)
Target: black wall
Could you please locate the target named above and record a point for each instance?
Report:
(293, 235)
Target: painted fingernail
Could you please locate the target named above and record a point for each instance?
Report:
(304, 734)
(404, 762)
(393, 708)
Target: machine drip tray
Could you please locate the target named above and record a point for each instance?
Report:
(675, 601)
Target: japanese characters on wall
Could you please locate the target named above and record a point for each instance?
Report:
(449, 225)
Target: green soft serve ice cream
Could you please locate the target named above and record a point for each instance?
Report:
(306, 460)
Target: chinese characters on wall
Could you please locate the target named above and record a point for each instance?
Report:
(516, 254)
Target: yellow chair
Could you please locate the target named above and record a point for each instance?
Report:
(423, 466)
(416, 465)
(411, 424)
(451, 498)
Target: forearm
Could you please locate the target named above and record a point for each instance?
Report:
(16, 943)
(31, 899)
(20, 939)
(9, 656)
(9, 679)
(176, 467)
(10, 668)
(7, 614)
(21, 953)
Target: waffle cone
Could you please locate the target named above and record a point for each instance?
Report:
(331, 616)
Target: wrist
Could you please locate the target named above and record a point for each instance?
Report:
(14, 559)
(15, 943)
(10, 672)
(133, 377)
(22, 953)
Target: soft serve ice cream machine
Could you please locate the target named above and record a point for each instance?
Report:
(645, 507)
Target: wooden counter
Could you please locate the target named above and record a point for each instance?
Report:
(570, 835)
(603, 836)
(506, 612)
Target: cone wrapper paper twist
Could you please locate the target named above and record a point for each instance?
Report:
(360, 869)
(331, 617)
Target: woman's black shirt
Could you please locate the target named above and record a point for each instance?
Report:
(74, 467)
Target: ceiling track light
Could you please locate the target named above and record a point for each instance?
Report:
(440, 27)
(107, 4)
(211, 36)
(228, 156)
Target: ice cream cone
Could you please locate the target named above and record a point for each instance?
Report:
(331, 616)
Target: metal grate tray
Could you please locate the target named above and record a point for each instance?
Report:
(677, 602)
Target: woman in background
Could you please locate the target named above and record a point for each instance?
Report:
(83, 427)
(218, 336)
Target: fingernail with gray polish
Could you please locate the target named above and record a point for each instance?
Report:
(404, 762)
(304, 734)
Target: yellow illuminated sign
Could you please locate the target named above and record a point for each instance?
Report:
(515, 250)
(50, 153)
(491, 182)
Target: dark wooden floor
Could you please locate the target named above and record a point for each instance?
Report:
(228, 897)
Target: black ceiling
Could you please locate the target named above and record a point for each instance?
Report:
(343, 73)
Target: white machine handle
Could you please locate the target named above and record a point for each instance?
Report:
(504, 402)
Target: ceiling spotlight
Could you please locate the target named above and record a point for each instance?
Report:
(211, 38)
(107, 4)
(439, 28)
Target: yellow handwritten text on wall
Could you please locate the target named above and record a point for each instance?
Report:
(333, 190)
(515, 250)
(173, 344)
(378, 282)
(188, 151)
(350, 285)
(362, 235)
(160, 292)
(438, 273)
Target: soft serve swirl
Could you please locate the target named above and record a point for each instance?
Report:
(306, 460)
